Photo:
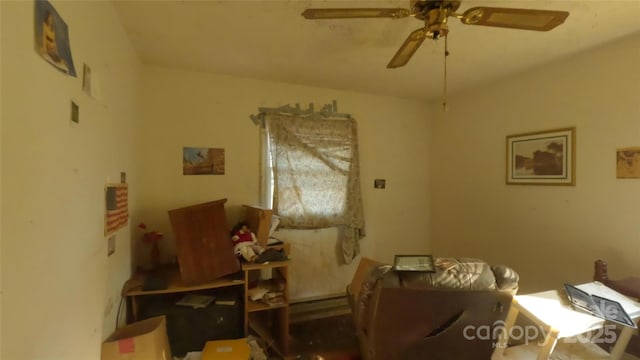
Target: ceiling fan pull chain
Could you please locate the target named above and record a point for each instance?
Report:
(446, 54)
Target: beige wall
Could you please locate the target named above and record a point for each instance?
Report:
(181, 108)
(549, 234)
(60, 291)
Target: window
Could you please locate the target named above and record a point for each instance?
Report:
(312, 175)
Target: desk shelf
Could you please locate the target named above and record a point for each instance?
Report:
(133, 291)
(253, 306)
(270, 322)
(133, 287)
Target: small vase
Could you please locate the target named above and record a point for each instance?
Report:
(155, 256)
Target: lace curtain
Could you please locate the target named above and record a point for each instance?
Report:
(316, 176)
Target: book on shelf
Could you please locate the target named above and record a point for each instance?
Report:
(274, 298)
(225, 302)
(195, 301)
(257, 293)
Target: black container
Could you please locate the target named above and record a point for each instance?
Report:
(189, 329)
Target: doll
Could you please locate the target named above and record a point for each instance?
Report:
(245, 243)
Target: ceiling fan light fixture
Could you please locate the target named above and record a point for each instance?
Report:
(436, 23)
(436, 31)
(422, 9)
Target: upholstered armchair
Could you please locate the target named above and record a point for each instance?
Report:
(449, 314)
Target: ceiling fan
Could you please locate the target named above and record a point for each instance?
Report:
(435, 14)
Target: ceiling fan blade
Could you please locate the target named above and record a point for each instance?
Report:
(350, 13)
(526, 19)
(408, 48)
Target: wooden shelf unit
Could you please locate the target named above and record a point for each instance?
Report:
(200, 265)
(271, 323)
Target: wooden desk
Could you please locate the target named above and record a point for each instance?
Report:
(132, 289)
(271, 323)
(552, 313)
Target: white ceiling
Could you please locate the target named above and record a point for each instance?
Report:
(270, 40)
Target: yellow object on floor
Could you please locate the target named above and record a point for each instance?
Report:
(237, 349)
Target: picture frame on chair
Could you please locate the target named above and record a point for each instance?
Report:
(422, 263)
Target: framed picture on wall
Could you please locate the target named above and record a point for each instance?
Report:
(542, 157)
(202, 161)
(52, 37)
(628, 163)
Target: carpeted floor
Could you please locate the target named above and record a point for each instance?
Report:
(331, 338)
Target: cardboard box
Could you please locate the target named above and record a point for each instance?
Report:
(142, 340)
(237, 349)
(259, 221)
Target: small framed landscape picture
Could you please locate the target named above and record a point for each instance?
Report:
(628, 163)
(202, 161)
(542, 158)
(414, 263)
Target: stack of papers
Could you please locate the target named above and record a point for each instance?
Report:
(271, 292)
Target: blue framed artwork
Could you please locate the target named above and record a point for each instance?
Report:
(52, 37)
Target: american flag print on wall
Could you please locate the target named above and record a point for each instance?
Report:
(117, 208)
